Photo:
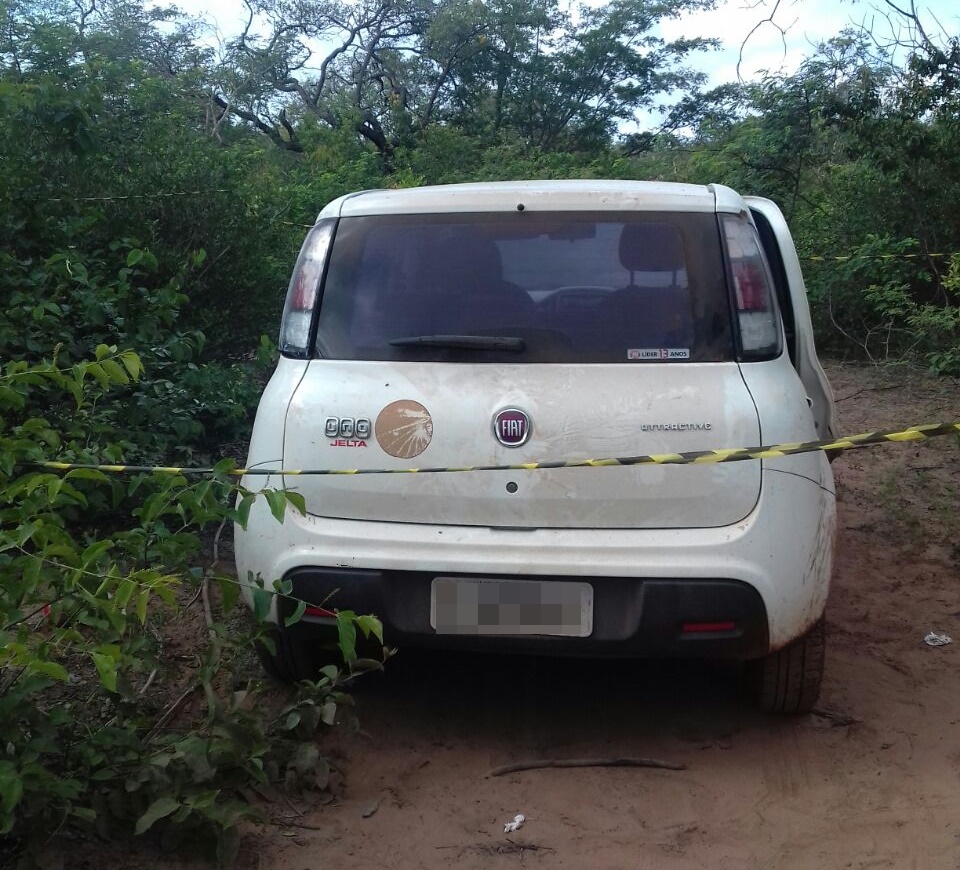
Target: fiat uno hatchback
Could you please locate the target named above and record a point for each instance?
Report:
(510, 323)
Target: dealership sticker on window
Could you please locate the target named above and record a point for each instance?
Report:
(658, 353)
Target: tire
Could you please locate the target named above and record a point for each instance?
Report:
(300, 654)
(788, 681)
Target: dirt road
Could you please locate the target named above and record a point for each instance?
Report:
(872, 782)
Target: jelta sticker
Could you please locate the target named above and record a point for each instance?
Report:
(404, 429)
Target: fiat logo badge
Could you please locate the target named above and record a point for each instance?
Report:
(512, 427)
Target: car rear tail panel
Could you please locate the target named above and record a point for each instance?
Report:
(430, 415)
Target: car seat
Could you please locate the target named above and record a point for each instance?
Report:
(653, 310)
(465, 274)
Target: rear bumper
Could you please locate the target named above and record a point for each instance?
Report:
(631, 617)
(779, 557)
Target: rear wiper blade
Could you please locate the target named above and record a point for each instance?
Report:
(464, 342)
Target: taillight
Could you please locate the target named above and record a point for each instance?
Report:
(303, 291)
(752, 290)
(708, 627)
(750, 286)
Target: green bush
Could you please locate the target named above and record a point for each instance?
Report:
(81, 606)
(875, 303)
(940, 324)
(76, 301)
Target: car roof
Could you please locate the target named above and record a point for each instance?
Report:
(574, 195)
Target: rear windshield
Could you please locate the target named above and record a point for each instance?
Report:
(545, 287)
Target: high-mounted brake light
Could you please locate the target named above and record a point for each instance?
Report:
(303, 291)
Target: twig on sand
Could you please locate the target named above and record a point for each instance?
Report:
(293, 823)
(836, 719)
(168, 715)
(585, 762)
(508, 847)
(881, 389)
(207, 610)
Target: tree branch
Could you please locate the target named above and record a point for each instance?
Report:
(269, 131)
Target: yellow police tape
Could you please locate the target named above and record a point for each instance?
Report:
(693, 457)
(845, 257)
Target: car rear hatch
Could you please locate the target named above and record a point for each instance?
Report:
(451, 340)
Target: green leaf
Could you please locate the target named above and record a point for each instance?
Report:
(87, 474)
(297, 500)
(293, 720)
(159, 809)
(347, 631)
(134, 257)
(165, 593)
(277, 501)
(203, 800)
(229, 593)
(243, 509)
(11, 786)
(97, 371)
(328, 713)
(371, 625)
(261, 603)
(107, 669)
(297, 614)
(49, 669)
(131, 362)
(53, 489)
(124, 592)
(116, 372)
(269, 644)
(95, 551)
(225, 465)
(143, 598)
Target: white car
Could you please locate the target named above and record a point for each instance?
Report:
(519, 322)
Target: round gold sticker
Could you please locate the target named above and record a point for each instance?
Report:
(404, 429)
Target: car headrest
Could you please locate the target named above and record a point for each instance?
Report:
(651, 247)
(475, 258)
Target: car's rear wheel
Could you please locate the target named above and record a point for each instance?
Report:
(788, 681)
(299, 653)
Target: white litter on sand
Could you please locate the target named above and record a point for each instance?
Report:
(517, 822)
(934, 639)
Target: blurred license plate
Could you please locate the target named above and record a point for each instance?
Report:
(460, 606)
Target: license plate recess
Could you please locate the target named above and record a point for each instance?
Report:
(480, 606)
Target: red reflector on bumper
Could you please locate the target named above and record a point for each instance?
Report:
(699, 627)
(313, 610)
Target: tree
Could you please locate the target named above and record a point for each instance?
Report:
(598, 69)
(555, 79)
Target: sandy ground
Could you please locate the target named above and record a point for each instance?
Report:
(870, 781)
